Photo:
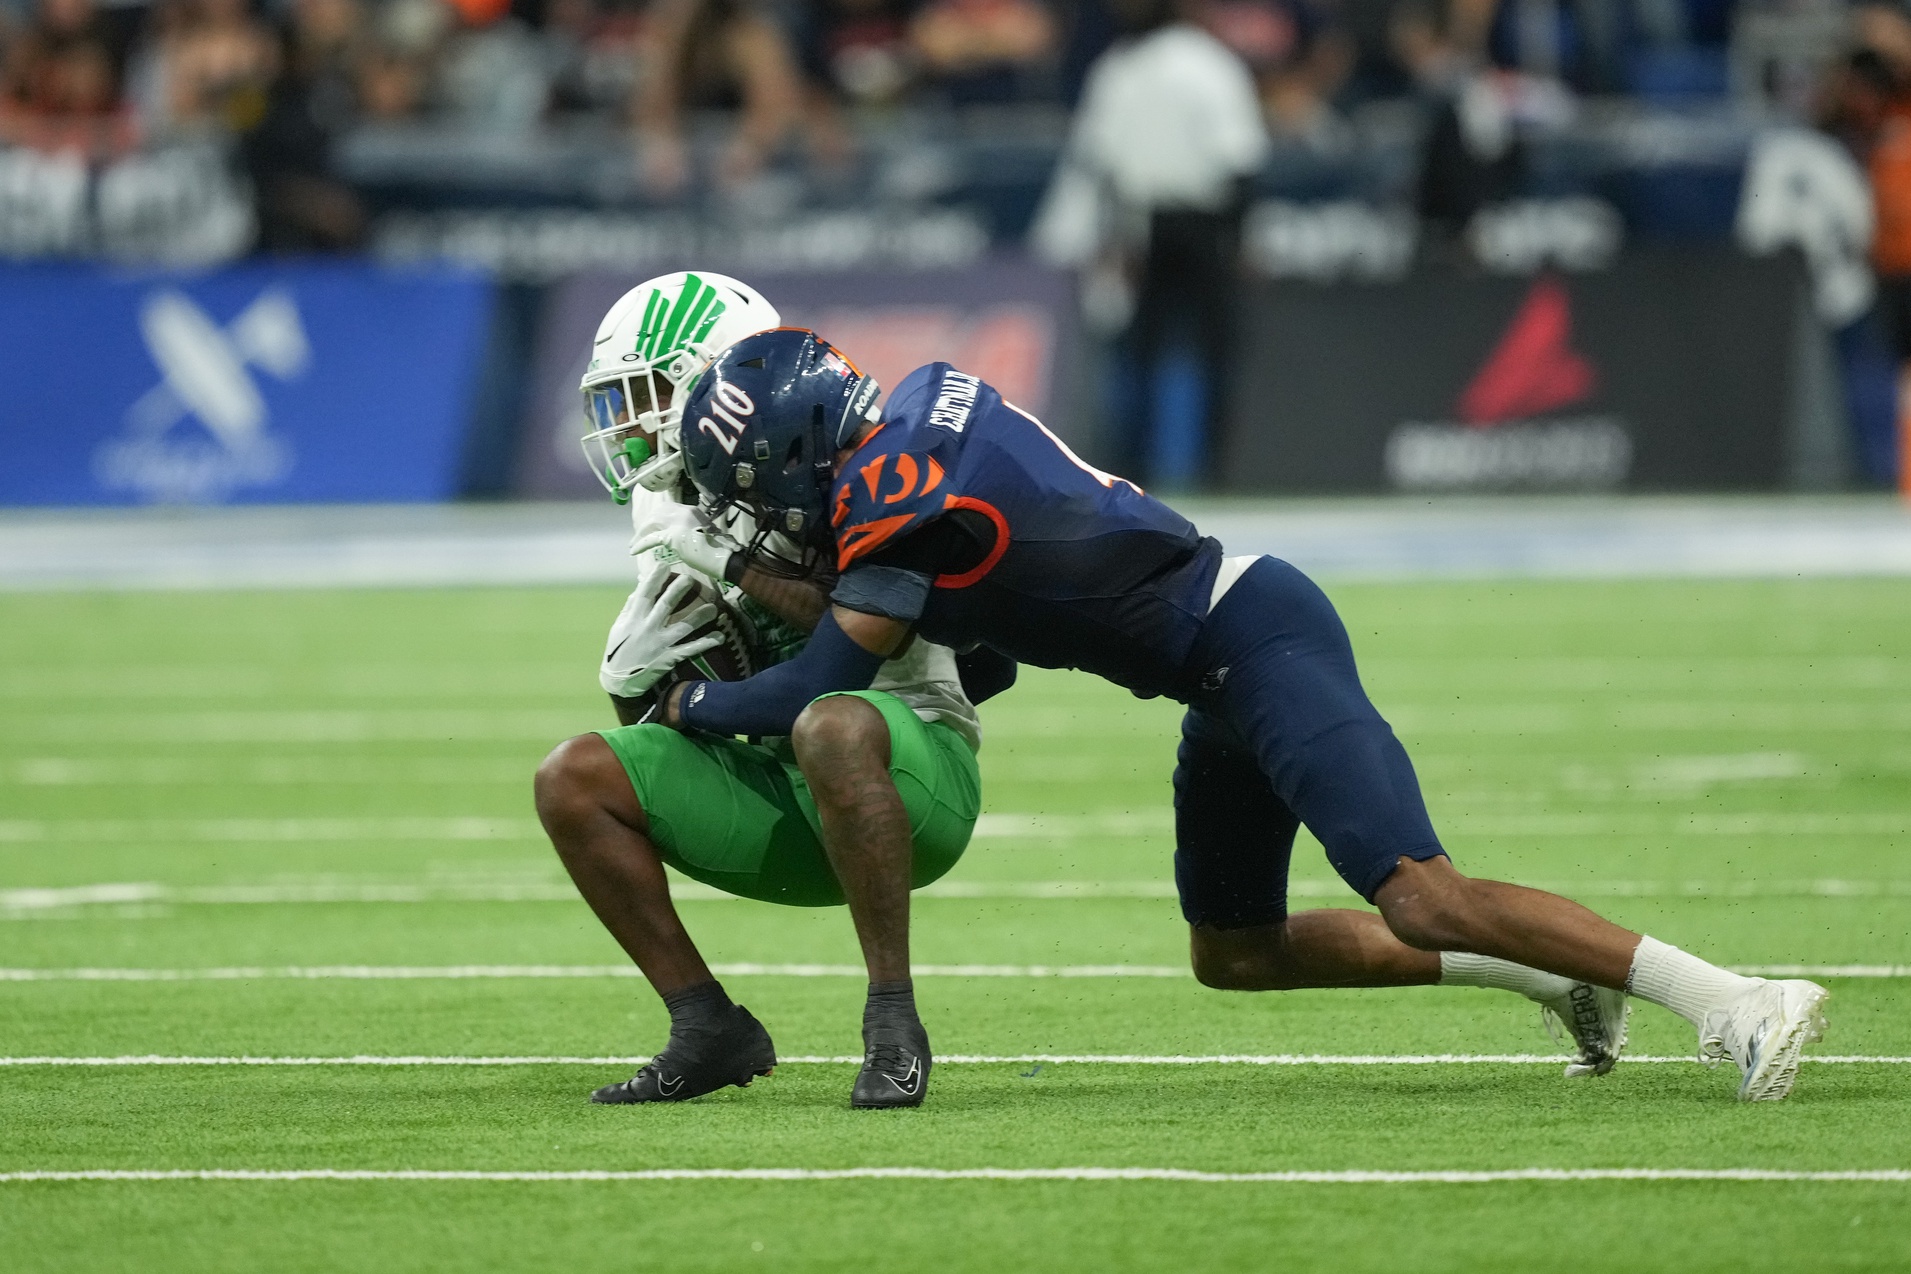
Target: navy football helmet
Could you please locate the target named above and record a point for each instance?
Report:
(761, 430)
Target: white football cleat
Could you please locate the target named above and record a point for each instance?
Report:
(1764, 1030)
(1595, 1018)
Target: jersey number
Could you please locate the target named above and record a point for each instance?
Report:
(1106, 479)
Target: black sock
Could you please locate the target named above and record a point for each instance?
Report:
(701, 1008)
(890, 999)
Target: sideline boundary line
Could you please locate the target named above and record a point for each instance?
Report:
(457, 972)
(1344, 1177)
(956, 1059)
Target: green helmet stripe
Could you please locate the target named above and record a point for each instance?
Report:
(707, 307)
(647, 333)
(686, 301)
(668, 327)
(709, 321)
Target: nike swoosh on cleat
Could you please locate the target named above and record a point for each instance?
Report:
(669, 1087)
(913, 1075)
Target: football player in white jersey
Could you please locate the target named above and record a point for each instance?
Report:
(791, 820)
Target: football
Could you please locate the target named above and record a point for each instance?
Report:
(729, 661)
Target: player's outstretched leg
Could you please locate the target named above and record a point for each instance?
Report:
(587, 805)
(842, 745)
(1761, 1025)
(1330, 947)
(1234, 836)
(1287, 694)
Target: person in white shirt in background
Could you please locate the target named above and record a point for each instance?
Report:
(1147, 204)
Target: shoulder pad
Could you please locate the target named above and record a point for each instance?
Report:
(904, 399)
(897, 481)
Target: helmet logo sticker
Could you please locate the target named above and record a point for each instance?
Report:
(667, 328)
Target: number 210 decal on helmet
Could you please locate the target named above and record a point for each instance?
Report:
(761, 429)
(653, 343)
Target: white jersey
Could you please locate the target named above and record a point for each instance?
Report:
(924, 676)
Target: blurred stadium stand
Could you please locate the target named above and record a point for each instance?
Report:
(1461, 198)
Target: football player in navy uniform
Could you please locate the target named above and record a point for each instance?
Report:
(953, 514)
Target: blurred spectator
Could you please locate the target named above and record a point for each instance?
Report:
(1781, 48)
(714, 55)
(858, 51)
(985, 50)
(1869, 110)
(1474, 155)
(60, 86)
(1148, 200)
(396, 67)
(208, 68)
(1545, 38)
(301, 206)
(1298, 61)
(496, 72)
(593, 54)
(1885, 30)
(1395, 43)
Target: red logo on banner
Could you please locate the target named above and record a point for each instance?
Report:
(1534, 369)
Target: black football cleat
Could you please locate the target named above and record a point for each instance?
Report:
(895, 1065)
(701, 1064)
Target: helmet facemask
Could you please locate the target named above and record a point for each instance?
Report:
(790, 542)
(634, 424)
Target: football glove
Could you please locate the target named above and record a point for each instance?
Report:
(663, 641)
(705, 550)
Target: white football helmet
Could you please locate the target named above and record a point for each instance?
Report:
(657, 339)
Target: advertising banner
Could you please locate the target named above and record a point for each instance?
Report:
(256, 384)
(1662, 372)
(1009, 321)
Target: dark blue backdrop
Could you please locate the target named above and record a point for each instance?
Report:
(266, 383)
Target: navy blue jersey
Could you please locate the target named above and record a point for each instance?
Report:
(1014, 542)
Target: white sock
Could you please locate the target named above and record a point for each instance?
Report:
(1463, 968)
(1668, 977)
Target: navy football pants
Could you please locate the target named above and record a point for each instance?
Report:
(1282, 735)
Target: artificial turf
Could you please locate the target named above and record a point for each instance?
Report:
(1724, 764)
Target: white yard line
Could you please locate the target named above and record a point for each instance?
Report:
(950, 1059)
(381, 973)
(14, 901)
(1339, 1177)
(30, 903)
(1142, 824)
(219, 830)
(270, 830)
(378, 973)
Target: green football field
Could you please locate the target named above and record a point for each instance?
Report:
(295, 828)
